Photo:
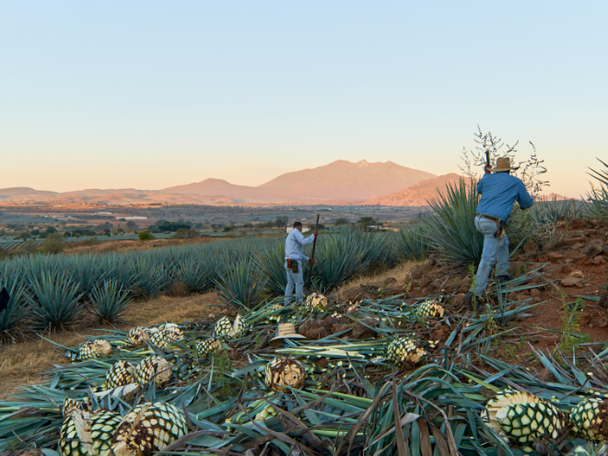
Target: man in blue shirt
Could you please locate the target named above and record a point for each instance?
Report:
(498, 193)
(293, 262)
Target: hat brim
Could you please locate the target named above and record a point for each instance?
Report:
(498, 170)
(289, 336)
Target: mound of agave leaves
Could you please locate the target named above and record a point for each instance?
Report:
(353, 399)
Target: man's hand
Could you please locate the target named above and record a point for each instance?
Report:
(488, 169)
(311, 261)
(316, 233)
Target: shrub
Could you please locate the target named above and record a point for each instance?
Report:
(13, 315)
(451, 228)
(53, 244)
(241, 285)
(109, 301)
(27, 248)
(54, 302)
(184, 233)
(145, 236)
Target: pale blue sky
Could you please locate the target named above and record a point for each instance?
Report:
(149, 94)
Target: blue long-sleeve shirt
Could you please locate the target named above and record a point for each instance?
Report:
(498, 193)
(294, 243)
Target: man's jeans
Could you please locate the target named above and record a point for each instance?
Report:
(495, 251)
(296, 280)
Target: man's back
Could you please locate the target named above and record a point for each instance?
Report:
(498, 193)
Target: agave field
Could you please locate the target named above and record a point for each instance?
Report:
(225, 387)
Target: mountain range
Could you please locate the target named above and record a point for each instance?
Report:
(340, 182)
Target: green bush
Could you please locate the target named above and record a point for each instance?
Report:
(451, 228)
(53, 244)
(184, 233)
(145, 236)
(14, 314)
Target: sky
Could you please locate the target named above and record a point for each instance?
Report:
(150, 94)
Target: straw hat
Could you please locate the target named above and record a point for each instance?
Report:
(288, 331)
(503, 164)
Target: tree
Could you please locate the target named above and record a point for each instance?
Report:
(28, 248)
(53, 244)
(184, 233)
(366, 221)
(145, 236)
(131, 225)
(25, 235)
(342, 221)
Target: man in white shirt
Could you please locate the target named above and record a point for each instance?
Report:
(293, 262)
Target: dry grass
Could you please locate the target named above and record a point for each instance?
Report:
(398, 273)
(22, 363)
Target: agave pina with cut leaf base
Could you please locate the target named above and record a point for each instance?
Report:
(226, 329)
(430, 309)
(120, 374)
(207, 347)
(522, 418)
(103, 426)
(283, 372)
(404, 351)
(147, 429)
(589, 419)
(71, 405)
(140, 335)
(316, 301)
(94, 349)
(152, 368)
(75, 435)
(167, 335)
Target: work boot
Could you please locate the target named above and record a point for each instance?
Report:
(505, 277)
(472, 300)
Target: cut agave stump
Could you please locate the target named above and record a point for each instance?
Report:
(404, 351)
(316, 301)
(523, 418)
(82, 435)
(152, 368)
(590, 420)
(284, 372)
(94, 349)
(147, 429)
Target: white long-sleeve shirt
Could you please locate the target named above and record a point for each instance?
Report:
(294, 243)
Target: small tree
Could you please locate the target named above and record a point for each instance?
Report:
(145, 236)
(25, 235)
(53, 244)
(27, 248)
(131, 225)
(184, 233)
(342, 221)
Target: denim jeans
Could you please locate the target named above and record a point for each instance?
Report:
(294, 280)
(495, 251)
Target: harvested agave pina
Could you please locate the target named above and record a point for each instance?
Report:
(404, 350)
(589, 419)
(523, 418)
(430, 309)
(75, 436)
(226, 329)
(147, 429)
(283, 372)
(316, 301)
(274, 308)
(140, 335)
(208, 347)
(152, 368)
(94, 349)
(120, 374)
(103, 426)
(166, 336)
(71, 405)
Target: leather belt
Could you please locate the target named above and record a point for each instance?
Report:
(489, 217)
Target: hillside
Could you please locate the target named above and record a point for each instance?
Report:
(338, 181)
(19, 193)
(418, 194)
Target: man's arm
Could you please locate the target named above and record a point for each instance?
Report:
(523, 197)
(304, 241)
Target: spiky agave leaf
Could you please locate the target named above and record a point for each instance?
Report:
(523, 418)
(242, 285)
(13, 315)
(109, 301)
(147, 429)
(283, 372)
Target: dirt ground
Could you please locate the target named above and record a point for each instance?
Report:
(21, 363)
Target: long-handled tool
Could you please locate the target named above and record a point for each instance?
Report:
(312, 256)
